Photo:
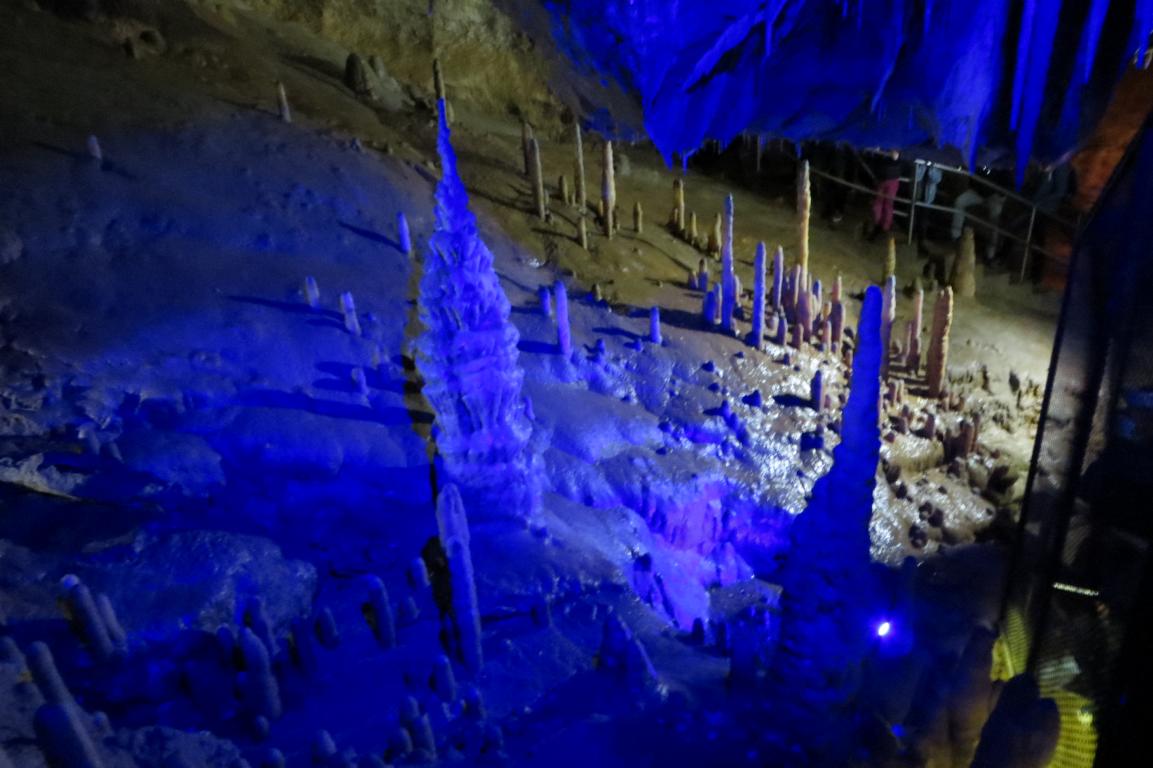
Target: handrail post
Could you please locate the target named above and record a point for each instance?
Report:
(1028, 242)
(913, 203)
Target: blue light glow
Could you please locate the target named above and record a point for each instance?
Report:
(884, 628)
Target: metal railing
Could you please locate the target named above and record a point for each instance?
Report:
(911, 204)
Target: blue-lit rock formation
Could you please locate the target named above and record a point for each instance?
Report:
(826, 605)
(468, 357)
(958, 73)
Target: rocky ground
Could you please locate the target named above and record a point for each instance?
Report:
(185, 434)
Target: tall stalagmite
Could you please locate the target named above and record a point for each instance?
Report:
(728, 279)
(964, 277)
(827, 600)
(804, 206)
(679, 205)
(937, 362)
(609, 190)
(757, 336)
(581, 193)
(468, 357)
(778, 276)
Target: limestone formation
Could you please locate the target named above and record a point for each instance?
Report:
(377, 610)
(638, 218)
(469, 360)
(693, 234)
(913, 346)
(348, 310)
(778, 276)
(890, 259)
(757, 336)
(655, 325)
(608, 189)
(582, 231)
(702, 275)
(817, 390)
(938, 359)
(356, 76)
(563, 190)
(282, 103)
(545, 297)
(439, 89)
(716, 237)
(836, 325)
(581, 193)
(888, 315)
(537, 177)
(452, 527)
(526, 138)
(563, 331)
(964, 278)
(679, 205)
(804, 206)
(404, 235)
(728, 281)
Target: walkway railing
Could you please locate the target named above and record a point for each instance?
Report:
(911, 204)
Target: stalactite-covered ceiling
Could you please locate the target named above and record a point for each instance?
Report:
(1019, 78)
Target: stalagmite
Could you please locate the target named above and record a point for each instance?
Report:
(526, 139)
(469, 360)
(545, 301)
(356, 76)
(709, 305)
(377, 612)
(702, 275)
(716, 237)
(817, 390)
(282, 103)
(348, 310)
(439, 89)
(638, 218)
(828, 599)
(728, 281)
(655, 325)
(581, 193)
(778, 275)
(938, 358)
(563, 331)
(95, 153)
(913, 350)
(693, 234)
(782, 329)
(888, 315)
(679, 204)
(837, 324)
(797, 338)
(452, 526)
(563, 190)
(804, 315)
(537, 177)
(582, 231)
(804, 206)
(757, 336)
(403, 234)
(890, 259)
(964, 278)
(608, 189)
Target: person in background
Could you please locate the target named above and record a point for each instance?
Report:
(888, 182)
(928, 179)
(966, 200)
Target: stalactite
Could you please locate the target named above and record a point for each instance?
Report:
(757, 335)
(609, 189)
(938, 359)
(728, 283)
